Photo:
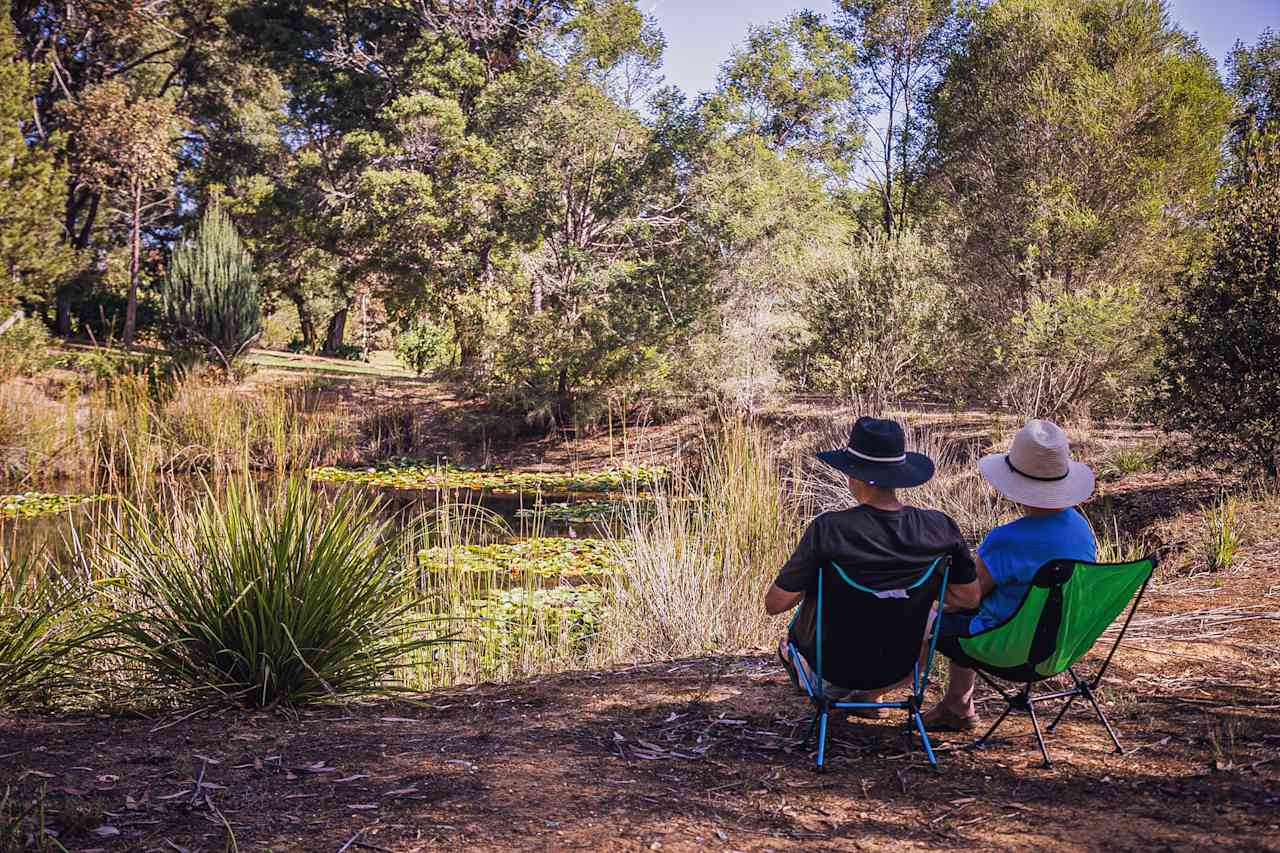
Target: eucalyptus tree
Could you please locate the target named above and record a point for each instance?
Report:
(900, 49)
(1076, 144)
(80, 46)
(32, 255)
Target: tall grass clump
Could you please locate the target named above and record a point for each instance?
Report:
(285, 598)
(139, 433)
(1222, 534)
(697, 560)
(41, 629)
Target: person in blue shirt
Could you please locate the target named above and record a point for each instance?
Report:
(1039, 475)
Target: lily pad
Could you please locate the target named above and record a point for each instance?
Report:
(507, 622)
(581, 512)
(419, 475)
(31, 504)
(550, 556)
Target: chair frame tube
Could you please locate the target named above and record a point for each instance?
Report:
(823, 704)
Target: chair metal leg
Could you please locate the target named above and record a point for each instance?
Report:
(1065, 707)
(982, 741)
(808, 738)
(822, 741)
(924, 738)
(1088, 694)
(1035, 722)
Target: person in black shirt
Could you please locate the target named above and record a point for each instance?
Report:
(880, 543)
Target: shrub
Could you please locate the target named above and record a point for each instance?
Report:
(878, 317)
(211, 292)
(24, 349)
(425, 347)
(1071, 350)
(283, 599)
(1219, 379)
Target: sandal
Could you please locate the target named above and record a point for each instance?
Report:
(942, 719)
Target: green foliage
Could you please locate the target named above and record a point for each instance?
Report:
(1075, 349)
(790, 85)
(33, 257)
(1219, 378)
(40, 629)
(210, 291)
(1254, 78)
(1076, 142)
(25, 349)
(264, 600)
(878, 318)
(425, 347)
(545, 557)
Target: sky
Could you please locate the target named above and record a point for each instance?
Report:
(701, 33)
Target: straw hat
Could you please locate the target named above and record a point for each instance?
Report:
(1038, 470)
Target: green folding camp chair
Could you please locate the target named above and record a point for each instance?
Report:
(1066, 609)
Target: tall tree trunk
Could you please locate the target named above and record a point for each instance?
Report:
(337, 331)
(306, 324)
(62, 310)
(135, 250)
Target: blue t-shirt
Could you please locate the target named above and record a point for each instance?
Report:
(1014, 552)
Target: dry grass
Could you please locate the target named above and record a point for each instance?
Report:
(131, 432)
(696, 565)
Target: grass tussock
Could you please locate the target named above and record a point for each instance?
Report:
(1223, 534)
(696, 561)
(42, 628)
(272, 599)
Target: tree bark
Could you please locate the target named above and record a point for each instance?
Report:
(135, 250)
(337, 331)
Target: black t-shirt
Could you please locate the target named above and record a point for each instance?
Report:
(881, 549)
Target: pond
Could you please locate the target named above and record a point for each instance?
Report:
(514, 566)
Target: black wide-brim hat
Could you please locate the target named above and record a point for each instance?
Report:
(877, 455)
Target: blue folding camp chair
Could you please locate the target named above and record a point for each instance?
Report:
(868, 639)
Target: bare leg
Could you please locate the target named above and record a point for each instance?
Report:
(959, 696)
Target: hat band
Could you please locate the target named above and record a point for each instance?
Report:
(1015, 470)
(885, 460)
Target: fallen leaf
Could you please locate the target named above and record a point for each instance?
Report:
(106, 831)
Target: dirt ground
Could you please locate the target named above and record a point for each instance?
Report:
(694, 755)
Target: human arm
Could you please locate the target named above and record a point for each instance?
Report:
(800, 573)
(967, 596)
(778, 600)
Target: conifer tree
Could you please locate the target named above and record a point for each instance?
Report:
(31, 185)
(211, 292)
